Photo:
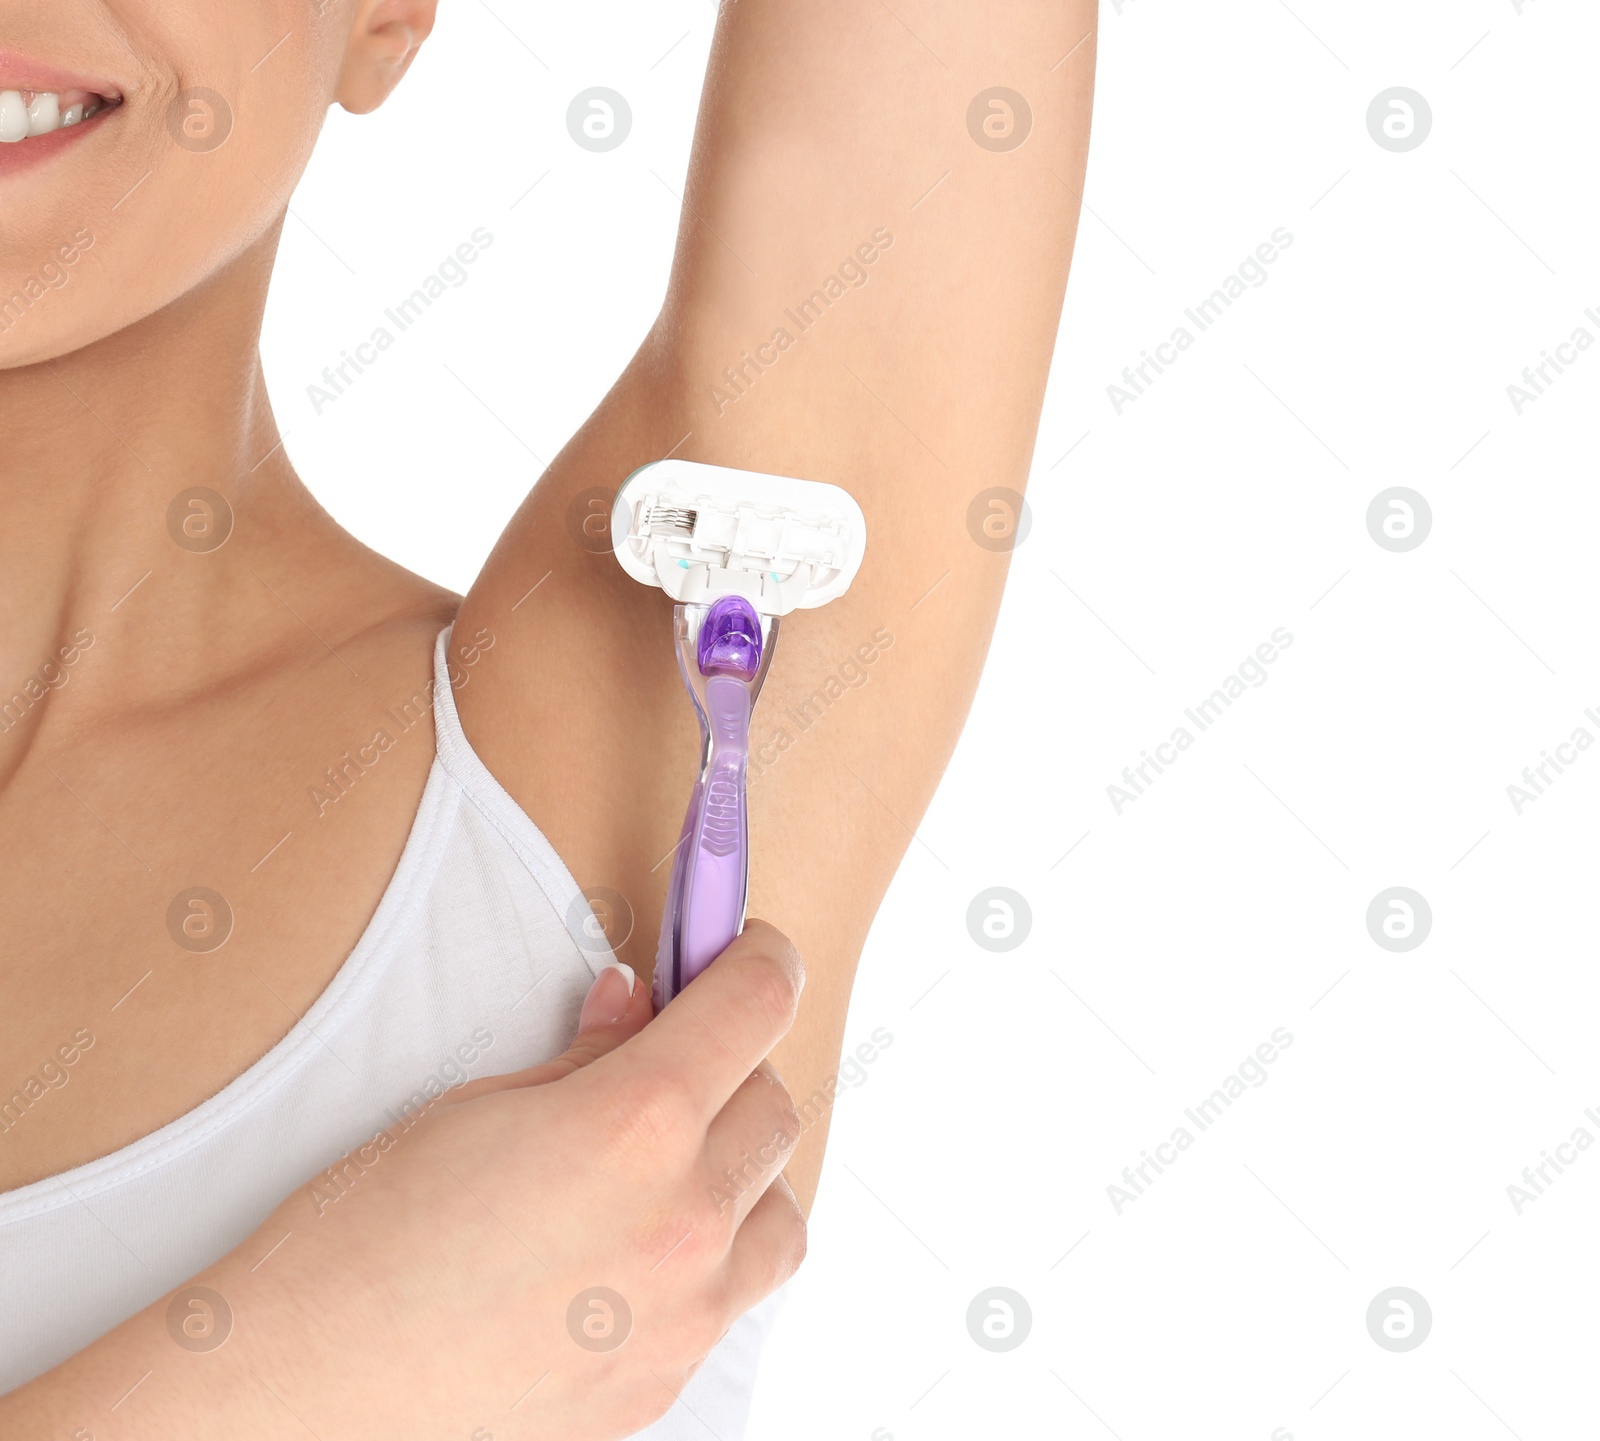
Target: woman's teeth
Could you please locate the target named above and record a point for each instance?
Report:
(26, 113)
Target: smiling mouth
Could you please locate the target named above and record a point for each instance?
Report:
(28, 114)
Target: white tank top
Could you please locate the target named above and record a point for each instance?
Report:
(477, 950)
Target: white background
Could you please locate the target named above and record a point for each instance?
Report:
(1230, 899)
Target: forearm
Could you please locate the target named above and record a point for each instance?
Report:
(180, 1368)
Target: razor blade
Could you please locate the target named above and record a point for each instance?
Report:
(704, 531)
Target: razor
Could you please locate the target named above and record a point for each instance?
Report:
(736, 550)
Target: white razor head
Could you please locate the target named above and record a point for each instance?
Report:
(703, 531)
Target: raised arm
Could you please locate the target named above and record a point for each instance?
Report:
(870, 267)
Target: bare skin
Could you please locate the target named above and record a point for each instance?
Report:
(219, 684)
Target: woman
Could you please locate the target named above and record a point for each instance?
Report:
(295, 838)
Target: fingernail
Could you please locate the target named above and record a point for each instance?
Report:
(607, 1001)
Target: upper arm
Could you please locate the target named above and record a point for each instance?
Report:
(863, 294)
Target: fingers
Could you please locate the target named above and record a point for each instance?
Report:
(614, 998)
(749, 1141)
(767, 1250)
(723, 1024)
(616, 1008)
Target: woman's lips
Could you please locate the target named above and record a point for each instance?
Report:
(44, 109)
(25, 154)
(22, 72)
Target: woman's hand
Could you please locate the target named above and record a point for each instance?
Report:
(549, 1254)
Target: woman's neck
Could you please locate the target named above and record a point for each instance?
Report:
(99, 447)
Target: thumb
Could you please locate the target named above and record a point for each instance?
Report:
(617, 1007)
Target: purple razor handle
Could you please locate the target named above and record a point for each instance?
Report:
(723, 653)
